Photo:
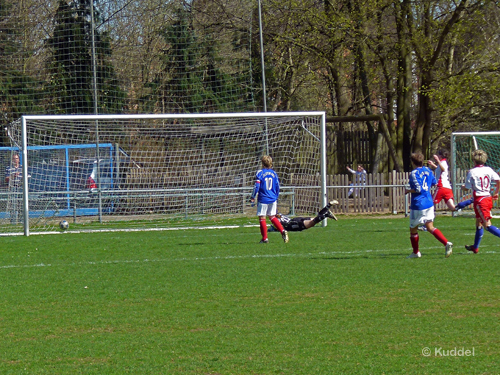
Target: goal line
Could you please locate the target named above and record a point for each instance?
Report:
(172, 165)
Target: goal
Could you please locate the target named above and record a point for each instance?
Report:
(462, 146)
(135, 171)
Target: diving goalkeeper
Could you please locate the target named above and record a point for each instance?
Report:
(298, 224)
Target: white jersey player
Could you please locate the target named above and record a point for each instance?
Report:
(443, 191)
(481, 179)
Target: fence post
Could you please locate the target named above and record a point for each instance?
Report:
(392, 193)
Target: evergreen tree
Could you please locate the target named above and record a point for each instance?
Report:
(192, 78)
(71, 67)
(19, 94)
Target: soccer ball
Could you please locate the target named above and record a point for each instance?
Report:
(64, 225)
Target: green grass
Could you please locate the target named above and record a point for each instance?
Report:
(337, 300)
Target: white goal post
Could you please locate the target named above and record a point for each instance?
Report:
(158, 167)
(462, 146)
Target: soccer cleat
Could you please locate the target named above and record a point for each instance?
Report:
(422, 228)
(330, 215)
(324, 211)
(264, 241)
(448, 249)
(284, 235)
(413, 255)
(333, 202)
(471, 248)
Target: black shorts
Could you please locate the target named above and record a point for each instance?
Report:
(296, 224)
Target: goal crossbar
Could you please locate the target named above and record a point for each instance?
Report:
(209, 136)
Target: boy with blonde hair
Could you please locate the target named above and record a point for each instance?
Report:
(479, 179)
(267, 187)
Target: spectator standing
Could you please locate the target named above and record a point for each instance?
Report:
(14, 179)
(359, 179)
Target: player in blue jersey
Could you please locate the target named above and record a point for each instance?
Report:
(267, 187)
(422, 205)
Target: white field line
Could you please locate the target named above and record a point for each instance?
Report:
(228, 257)
(472, 233)
(133, 230)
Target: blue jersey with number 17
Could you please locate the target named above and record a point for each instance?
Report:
(267, 185)
(421, 180)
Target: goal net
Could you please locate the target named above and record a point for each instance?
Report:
(462, 146)
(135, 171)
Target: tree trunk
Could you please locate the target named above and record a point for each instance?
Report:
(404, 87)
(343, 102)
(424, 117)
(365, 90)
(427, 60)
(383, 127)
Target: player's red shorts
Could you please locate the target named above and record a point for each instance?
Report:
(443, 193)
(482, 207)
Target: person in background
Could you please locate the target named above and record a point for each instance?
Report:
(14, 179)
(14, 172)
(359, 179)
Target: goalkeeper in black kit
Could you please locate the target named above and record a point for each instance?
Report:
(298, 224)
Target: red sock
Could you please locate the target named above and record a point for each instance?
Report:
(439, 236)
(277, 224)
(414, 242)
(263, 228)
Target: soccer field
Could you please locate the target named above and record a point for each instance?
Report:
(337, 300)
